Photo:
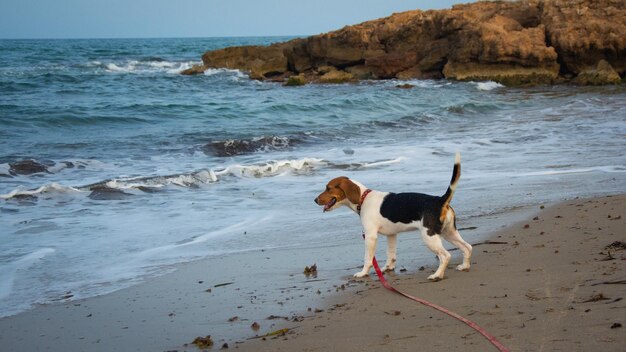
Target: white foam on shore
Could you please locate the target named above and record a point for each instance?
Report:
(151, 252)
(8, 271)
(607, 169)
(551, 172)
(384, 162)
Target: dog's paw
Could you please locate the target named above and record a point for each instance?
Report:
(387, 268)
(360, 274)
(463, 267)
(435, 278)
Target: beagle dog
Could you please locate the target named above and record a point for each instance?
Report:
(391, 213)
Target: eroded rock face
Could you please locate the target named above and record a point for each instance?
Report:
(260, 61)
(602, 74)
(515, 43)
(586, 32)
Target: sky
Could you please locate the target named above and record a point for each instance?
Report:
(21, 19)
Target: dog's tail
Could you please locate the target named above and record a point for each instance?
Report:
(447, 197)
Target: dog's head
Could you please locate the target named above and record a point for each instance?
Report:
(339, 191)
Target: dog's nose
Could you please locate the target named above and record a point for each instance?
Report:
(315, 200)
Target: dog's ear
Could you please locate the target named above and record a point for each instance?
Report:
(352, 191)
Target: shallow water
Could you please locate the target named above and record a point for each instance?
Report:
(146, 168)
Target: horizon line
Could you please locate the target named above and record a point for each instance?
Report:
(161, 37)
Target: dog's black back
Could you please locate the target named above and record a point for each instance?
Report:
(409, 207)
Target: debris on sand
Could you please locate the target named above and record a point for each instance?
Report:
(224, 284)
(595, 298)
(616, 246)
(395, 312)
(255, 326)
(274, 334)
(203, 342)
(272, 317)
(312, 270)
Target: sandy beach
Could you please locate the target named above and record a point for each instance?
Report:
(553, 285)
(556, 285)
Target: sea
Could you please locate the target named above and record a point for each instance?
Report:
(115, 168)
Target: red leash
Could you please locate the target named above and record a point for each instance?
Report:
(470, 323)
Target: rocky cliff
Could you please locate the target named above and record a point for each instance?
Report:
(515, 43)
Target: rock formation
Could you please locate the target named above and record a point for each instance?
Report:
(514, 43)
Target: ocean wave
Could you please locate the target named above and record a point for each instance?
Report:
(218, 71)
(208, 176)
(417, 83)
(49, 188)
(145, 66)
(30, 166)
(153, 183)
(403, 122)
(273, 168)
(472, 108)
(487, 86)
(196, 179)
(232, 147)
(115, 188)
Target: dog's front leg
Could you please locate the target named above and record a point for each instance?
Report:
(371, 236)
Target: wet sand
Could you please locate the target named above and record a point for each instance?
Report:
(552, 286)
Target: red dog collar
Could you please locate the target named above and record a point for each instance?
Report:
(358, 207)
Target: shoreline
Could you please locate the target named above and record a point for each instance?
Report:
(223, 297)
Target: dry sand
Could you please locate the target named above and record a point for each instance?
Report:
(552, 287)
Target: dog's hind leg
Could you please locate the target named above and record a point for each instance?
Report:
(391, 253)
(434, 244)
(453, 236)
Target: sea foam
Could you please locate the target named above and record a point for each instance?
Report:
(489, 85)
(49, 188)
(142, 67)
(8, 271)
